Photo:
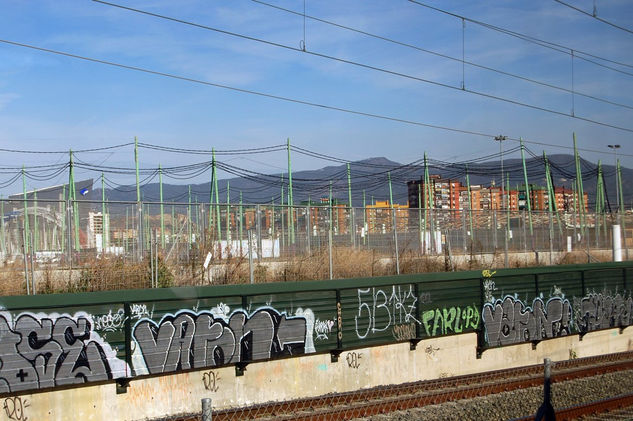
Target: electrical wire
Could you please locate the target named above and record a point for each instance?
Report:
(370, 67)
(594, 15)
(448, 57)
(547, 44)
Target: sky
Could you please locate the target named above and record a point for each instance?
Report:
(348, 95)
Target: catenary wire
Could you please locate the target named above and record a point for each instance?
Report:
(370, 67)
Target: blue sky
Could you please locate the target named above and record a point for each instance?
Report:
(55, 103)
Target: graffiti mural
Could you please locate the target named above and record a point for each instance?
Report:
(602, 311)
(450, 320)
(203, 339)
(379, 309)
(45, 350)
(510, 321)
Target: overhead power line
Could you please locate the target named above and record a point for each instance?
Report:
(253, 92)
(368, 67)
(546, 44)
(595, 16)
(446, 56)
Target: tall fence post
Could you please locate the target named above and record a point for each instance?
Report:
(26, 264)
(395, 239)
(258, 227)
(207, 410)
(308, 226)
(330, 252)
(250, 255)
(546, 411)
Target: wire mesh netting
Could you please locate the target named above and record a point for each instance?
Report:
(55, 246)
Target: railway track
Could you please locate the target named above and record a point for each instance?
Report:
(387, 399)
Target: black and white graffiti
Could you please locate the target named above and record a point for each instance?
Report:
(190, 339)
(602, 311)
(45, 350)
(510, 321)
(323, 328)
(381, 308)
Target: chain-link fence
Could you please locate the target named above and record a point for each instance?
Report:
(53, 246)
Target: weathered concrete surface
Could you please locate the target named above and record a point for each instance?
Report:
(291, 378)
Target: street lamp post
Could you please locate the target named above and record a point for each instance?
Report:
(500, 139)
(617, 186)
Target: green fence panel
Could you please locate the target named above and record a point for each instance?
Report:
(449, 307)
(316, 311)
(172, 335)
(55, 340)
(378, 314)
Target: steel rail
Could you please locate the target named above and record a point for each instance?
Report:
(367, 402)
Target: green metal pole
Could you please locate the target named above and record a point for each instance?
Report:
(508, 206)
(173, 225)
(349, 199)
(228, 212)
(619, 185)
(4, 245)
(331, 209)
(470, 204)
(579, 190)
(241, 217)
(621, 210)
(598, 208)
(189, 216)
(527, 187)
(427, 199)
(162, 207)
(63, 236)
(365, 218)
(272, 222)
(420, 218)
(138, 186)
(551, 198)
(127, 225)
(103, 215)
(140, 225)
(390, 191)
(35, 224)
(281, 199)
(73, 196)
(291, 223)
(217, 197)
(26, 214)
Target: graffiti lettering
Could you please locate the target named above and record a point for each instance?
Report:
(46, 350)
(353, 359)
(14, 408)
(404, 332)
(210, 380)
(509, 321)
(450, 320)
(602, 311)
(110, 322)
(195, 340)
(379, 309)
(138, 311)
(322, 328)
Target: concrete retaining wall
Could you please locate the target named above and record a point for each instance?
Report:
(310, 375)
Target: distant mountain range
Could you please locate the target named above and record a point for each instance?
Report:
(371, 175)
